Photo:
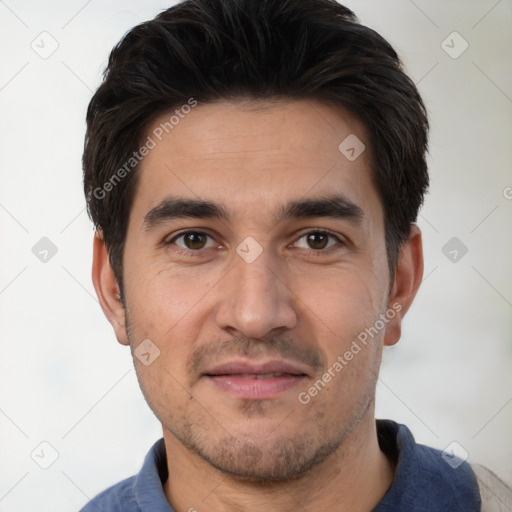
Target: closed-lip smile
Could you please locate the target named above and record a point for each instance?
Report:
(248, 379)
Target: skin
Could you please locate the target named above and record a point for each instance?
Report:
(294, 301)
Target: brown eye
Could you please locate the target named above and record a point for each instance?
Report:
(317, 240)
(192, 240)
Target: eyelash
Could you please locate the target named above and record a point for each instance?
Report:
(315, 252)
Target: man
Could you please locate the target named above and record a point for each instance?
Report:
(254, 169)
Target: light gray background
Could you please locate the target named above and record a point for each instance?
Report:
(66, 381)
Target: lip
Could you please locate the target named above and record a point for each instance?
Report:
(244, 379)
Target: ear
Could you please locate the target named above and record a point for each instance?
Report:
(408, 276)
(107, 289)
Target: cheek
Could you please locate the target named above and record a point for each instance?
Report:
(344, 301)
(163, 385)
(161, 300)
(160, 310)
(344, 308)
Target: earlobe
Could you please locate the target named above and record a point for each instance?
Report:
(107, 289)
(407, 280)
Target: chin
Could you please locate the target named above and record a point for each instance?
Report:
(262, 460)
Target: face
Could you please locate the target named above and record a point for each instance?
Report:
(255, 264)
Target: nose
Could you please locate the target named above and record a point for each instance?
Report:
(255, 299)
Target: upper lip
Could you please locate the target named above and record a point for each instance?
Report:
(254, 368)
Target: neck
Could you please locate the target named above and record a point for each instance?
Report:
(353, 478)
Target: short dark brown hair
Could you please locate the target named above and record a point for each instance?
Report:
(263, 50)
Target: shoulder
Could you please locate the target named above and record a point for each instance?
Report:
(426, 479)
(118, 498)
(447, 480)
(496, 495)
(140, 492)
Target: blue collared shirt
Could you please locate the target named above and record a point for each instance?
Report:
(424, 481)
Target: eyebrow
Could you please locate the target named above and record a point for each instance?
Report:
(334, 206)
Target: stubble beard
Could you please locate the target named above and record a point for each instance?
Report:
(275, 459)
(258, 461)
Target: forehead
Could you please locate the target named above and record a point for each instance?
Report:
(251, 154)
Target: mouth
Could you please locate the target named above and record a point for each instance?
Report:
(249, 380)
